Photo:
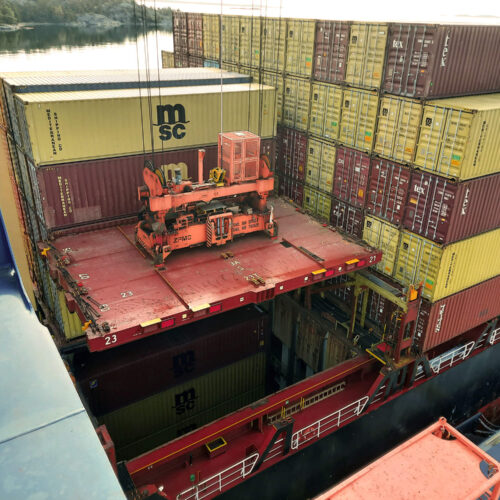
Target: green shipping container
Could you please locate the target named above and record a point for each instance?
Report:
(277, 81)
(273, 44)
(326, 107)
(231, 39)
(296, 103)
(250, 43)
(211, 36)
(300, 47)
(320, 165)
(318, 204)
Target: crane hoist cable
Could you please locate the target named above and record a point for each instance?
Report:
(158, 61)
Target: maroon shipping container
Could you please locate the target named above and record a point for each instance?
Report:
(447, 318)
(291, 188)
(440, 61)
(195, 61)
(347, 218)
(292, 147)
(388, 190)
(330, 50)
(445, 211)
(181, 60)
(118, 377)
(195, 34)
(179, 27)
(352, 170)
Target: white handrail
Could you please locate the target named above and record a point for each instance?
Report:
(448, 359)
(494, 336)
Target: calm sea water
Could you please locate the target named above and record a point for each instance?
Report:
(62, 48)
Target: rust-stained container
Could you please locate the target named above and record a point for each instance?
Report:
(172, 406)
(195, 62)
(195, 34)
(180, 32)
(292, 156)
(326, 107)
(347, 218)
(167, 59)
(109, 380)
(275, 80)
(397, 128)
(211, 36)
(379, 309)
(352, 172)
(380, 234)
(181, 60)
(299, 47)
(291, 188)
(460, 137)
(458, 313)
(359, 116)
(445, 211)
(441, 61)
(366, 55)
(330, 51)
(230, 26)
(76, 126)
(317, 203)
(445, 270)
(273, 44)
(250, 43)
(296, 103)
(388, 190)
(320, 165)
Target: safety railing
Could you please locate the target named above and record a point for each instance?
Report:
(495, 336)
(448, 359)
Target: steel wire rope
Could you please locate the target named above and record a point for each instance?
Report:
(250, 81)
(158, 66)
(221, 80)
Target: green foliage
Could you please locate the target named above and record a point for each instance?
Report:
(7, 13)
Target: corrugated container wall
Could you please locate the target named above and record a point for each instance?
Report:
(69, 126)
(195, 62)
(211, 36)
(326, 107)
(388, 190)
(460, 137)
(320, 165)
(347, 218)
(292, 156)
(195, 34)
(397, 128)
(330, 51)
(275, 80)
(167, 59)
(458, 313)
(352, 171)
(273, 44)
(231, 39)
(366, 56)
(318, 204)
(181, 60)
(359, 116)
(442, 61)
(299, 47)
(384, 236)
(292, 189)
(250, 43)
(296, 103)
(444, 211)
(450, 269)
(179, 27)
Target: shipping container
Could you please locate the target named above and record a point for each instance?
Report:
(195, 62)
(167, 59)
(317, 203)
(388, 190)
(299, 47)
(296, 103)
(385, 236)
(230, 66)
(330, 51)
(75, 126)
(449, 269)
(460, 137)
(445, 211)
(181, 60)
(447, 318)
(72, 325)
(180, 35)
(326, 106)
(210, 63)
(352, 172)
(320, 165)
(250, 41)
(366, 55)
(273, 44)
(211, 36)
(292, 155)
(441, 61)
(253, 73)
(379, 310)
(397, 128)
(230, 26)
(176, 404)
(108, 380)
(291, 188)
(195, 34)
(275, 80)
(347, 218)
(359, 116)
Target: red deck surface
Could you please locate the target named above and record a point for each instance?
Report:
(198, 281)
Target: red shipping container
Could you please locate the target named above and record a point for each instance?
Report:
(292, 189)
(447, 318)
(445, 211)
(120, 376)
(347, 218)
(292, 147)
(330, 50)
(387, 190)
(195, 34)
(441, 61)
(352, 170)
(179, 27)
(181, 60)
(195, 61)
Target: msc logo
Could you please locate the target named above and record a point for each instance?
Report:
(171, 120)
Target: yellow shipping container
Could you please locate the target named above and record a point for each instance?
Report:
(326, 107)
(167, 59)
(231, 39)
(320, 164)
(273, 44)
(74, 126)
(366, 55)
(359, 115)
(318, 204)
(450, 269)
(296, 103)
(397, 129)
(253, 72)
(250, 44)
(275, 80)
(71, 321)
(300, 47)
(173, 406)
(230, 67)
(211, 34)
(460, 137)
(380, 234)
